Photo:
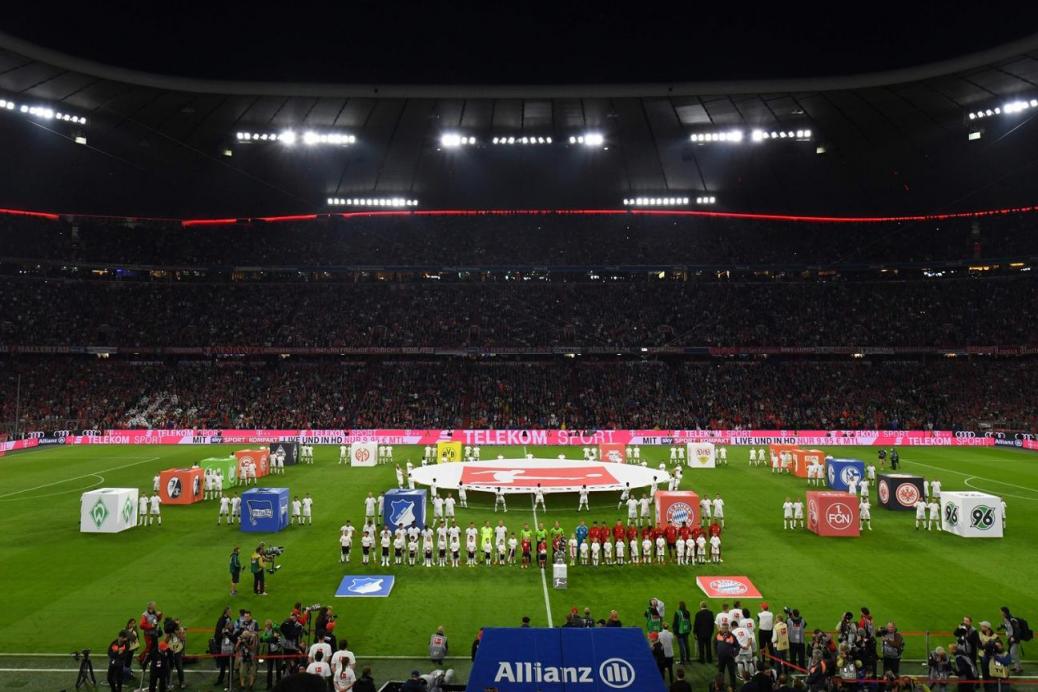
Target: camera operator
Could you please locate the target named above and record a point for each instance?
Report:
(245, 655)
(258, 565)
(324, 626)
(224, 651)
(176, 642)
(968, 640)
(116, 659)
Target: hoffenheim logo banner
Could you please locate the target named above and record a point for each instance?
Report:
(365, 586)
(601, 659)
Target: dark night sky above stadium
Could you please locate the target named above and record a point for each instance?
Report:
(513, 42)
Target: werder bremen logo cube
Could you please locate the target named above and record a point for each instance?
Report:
(127, 511)
(99, 513)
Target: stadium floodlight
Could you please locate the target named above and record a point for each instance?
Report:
(656, 201)
(374, 202)
(758, 135)
(731, 136)
(42, 112)
(454, 140)
(521, 140)
(287, 137)
(706, 200)
(588, 139)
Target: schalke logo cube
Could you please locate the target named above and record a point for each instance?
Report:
(404, 508)
(842, 472)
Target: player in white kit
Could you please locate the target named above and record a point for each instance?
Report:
(499, 500)
(538, 499)
(596, 553)
(644, 509)
(719, 510)
(646, 551)
(345, 541)
(852, 486)
(864, 514)
(715, 549)
(308, 503)
(935, 489)
(582, 502)
(463, 498)
(218, 484)
(705, 507)
(722, 455)
(934, 516)
(344, 454)
(798, 512)
(155, 483)
(369, 507)
(625, 495)
(438, 507)
(367, 540)
(235, 509)
(399, 476)
(634, 551)
(787, 514)
(661, 549)
(920, 513)
(225, 510)
(701, 549)
(632, 511)
(870, 474)
(155, 514)
(297, 511)
(142, 509)
(679, 547)
(753, 456)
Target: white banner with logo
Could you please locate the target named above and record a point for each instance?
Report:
(364, 454)
(971, 514)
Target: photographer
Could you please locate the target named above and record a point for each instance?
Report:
(270, 643)
(133, 645)
(150, 621)
(116, 658)
(797, 637)
(245, 656)
(968, 640)
(258, 565)
(224, 651)
(324, 626)
(893, 646)
(176, 642)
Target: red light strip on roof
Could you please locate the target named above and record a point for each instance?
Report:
(752, 216)
(36, 214)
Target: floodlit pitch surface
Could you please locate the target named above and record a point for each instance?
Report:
(63, 590)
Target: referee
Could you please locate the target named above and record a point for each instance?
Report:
(235, 568)
(258, 564)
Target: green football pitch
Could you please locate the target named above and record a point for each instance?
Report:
(63, 590)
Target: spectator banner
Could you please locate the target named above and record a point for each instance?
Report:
(727, 587)
(563, 659)
(264, 510)
(364, 454)
(15, 445)
(108, 510)
(971, 514)
(365, 586)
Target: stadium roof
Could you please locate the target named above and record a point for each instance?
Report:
(890, 142)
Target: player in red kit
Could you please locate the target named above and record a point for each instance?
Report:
(647, 533)
(632, 532)
(685, 531)
(671, 534)
(619, 531)
(526, 553)
(715, 529)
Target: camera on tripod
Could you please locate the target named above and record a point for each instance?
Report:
(82, 653)
(271, 554)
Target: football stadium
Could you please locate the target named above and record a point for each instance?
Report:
(403, 352)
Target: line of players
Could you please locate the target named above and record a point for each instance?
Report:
(927, 508)
(301, 510)
(590, 546)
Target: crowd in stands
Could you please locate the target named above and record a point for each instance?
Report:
(65, 392)
(942, 313)
(549, 240)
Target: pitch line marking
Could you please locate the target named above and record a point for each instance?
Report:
(85, 488)
(994, 492)
(544, 579)
(970, 475)
(76, 478)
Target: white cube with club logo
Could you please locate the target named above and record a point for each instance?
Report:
(363, 453)
(701, 455)
(971, 514)
(108, 510)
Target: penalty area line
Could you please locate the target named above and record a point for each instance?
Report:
(544, 579)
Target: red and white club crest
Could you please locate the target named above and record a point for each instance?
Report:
(838, 516)
(884, 491)
(812, 512)
(679, 512)
(907, 494)
(728, 587)
(362, 454)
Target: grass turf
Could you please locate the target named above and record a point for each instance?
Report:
(64, 590)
